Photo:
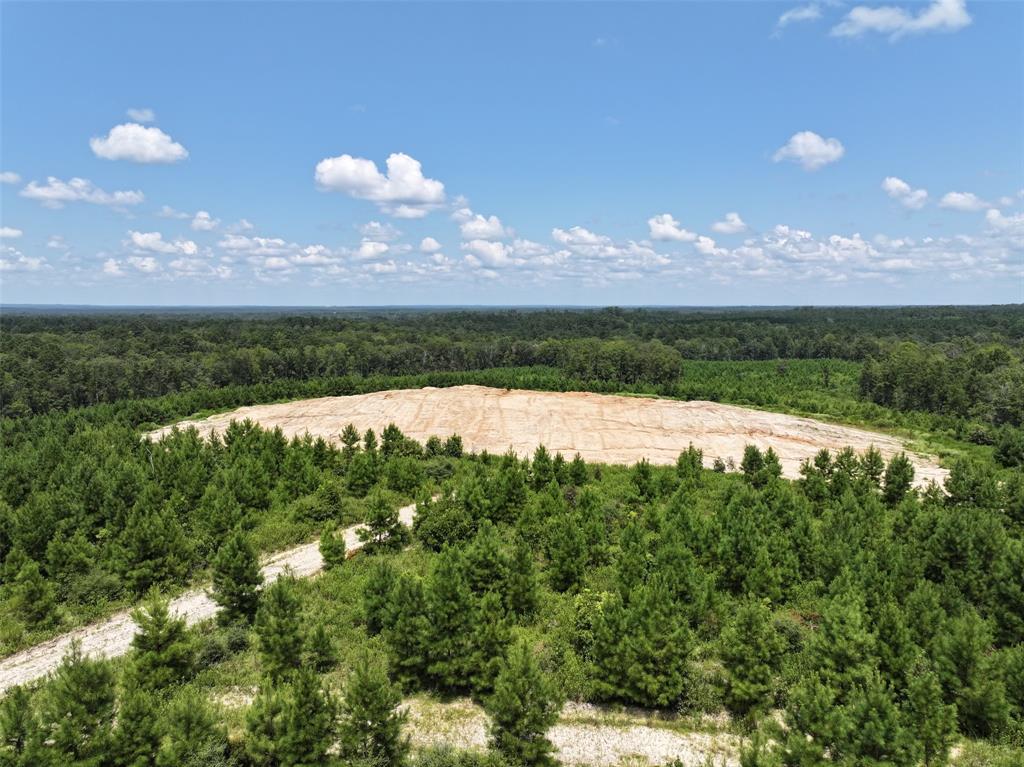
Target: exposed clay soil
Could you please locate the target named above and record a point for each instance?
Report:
(600, 427)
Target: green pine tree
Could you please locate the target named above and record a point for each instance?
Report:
(522, 593)
(932, 721)
(77, 711)
(162, 651)
(33, 595)
(192, 737)
(371, 729)
(236, 580)
(489, 642)
(378, 596)
(751, 650)
(567, 552)
(332, 547)
(384, 530)
(899, 478)
(321, 653)
(410, 631)
(136, 739)
(308, 724)
(522, 709)
(542, 472)
(279, 630)
(450, 611)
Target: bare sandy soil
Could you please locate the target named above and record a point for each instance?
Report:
(113, 636)
(601, 428)
(584, 735)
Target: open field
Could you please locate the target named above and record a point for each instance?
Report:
(601, 428)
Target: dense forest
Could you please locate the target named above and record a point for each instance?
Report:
(842, 618)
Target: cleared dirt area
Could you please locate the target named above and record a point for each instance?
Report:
(600, 427)
(113, 636)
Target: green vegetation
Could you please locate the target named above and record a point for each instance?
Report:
(880, 624)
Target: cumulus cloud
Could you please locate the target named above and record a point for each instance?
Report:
(257, 246)
(731, 224)
(477, 227)
(13, 260)
(577, 235)
(809, 12)
(137, 143)
(896, 22)
(429, 245)
(9, 232)
(145, 264)
(1013, 224)
(403, 191)
(966, 201)
(55, 193)
(488, 252)
(381, 232)
(112, 268)
(370, 249)
(664, 227)
(204, 222)
(155, 242)
(166, 211)
(810, 150)
(9, 177)
(143, 115)
(902, 192)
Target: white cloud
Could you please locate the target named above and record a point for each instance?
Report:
(902, 192)
(939, 16)
(143, 115)
(429, 245)
(198, 267)
(9, 232)
(375, 230)
(57, 242)
(801, 13)
(664, 227)
(112, 268)
(138, 143)
(731, 224)
(1013, 224)
(9, 177)
(154, 241)
(810, 150)
(56, 192)
(256, 246)
(13, 260)
(242, 225)
(167, 211)
(966, 201)
(477, 227)
(707, 247)
(369, 249)
(489, 252)
(403, 192)
(388, 267)
(145, 264)
(577, 235)
(204, 222)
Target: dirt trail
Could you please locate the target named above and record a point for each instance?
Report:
(113, 636)
(602, 428)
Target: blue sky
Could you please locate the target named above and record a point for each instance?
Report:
(485, 153)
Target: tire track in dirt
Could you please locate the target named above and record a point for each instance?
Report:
(113, 637)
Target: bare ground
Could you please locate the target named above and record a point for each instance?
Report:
(113, 636)
(602, 428)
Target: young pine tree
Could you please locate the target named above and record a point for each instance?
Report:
(450, 611)
(332, 548)
(137, 736)
(321, 653)
(77, 711)
(932, 721)
(899, 478)
(307, 722)
(384, 531)
(522, 709)
(33, 595)
(371, 729)
(191, 734)
(567, 552)
(279, 630)
(522, 582)
(751, 650)
(236, 580)
(378, 596)
(162, 652)
(489, 642)
(410, 632)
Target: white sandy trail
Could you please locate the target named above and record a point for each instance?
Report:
(113, 636)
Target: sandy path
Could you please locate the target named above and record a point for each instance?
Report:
(600, 427)
(585, 735)
(113, 636)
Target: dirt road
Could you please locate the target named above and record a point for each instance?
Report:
(600, 427)
(113, 636)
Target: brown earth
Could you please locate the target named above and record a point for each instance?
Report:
(602, 428)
